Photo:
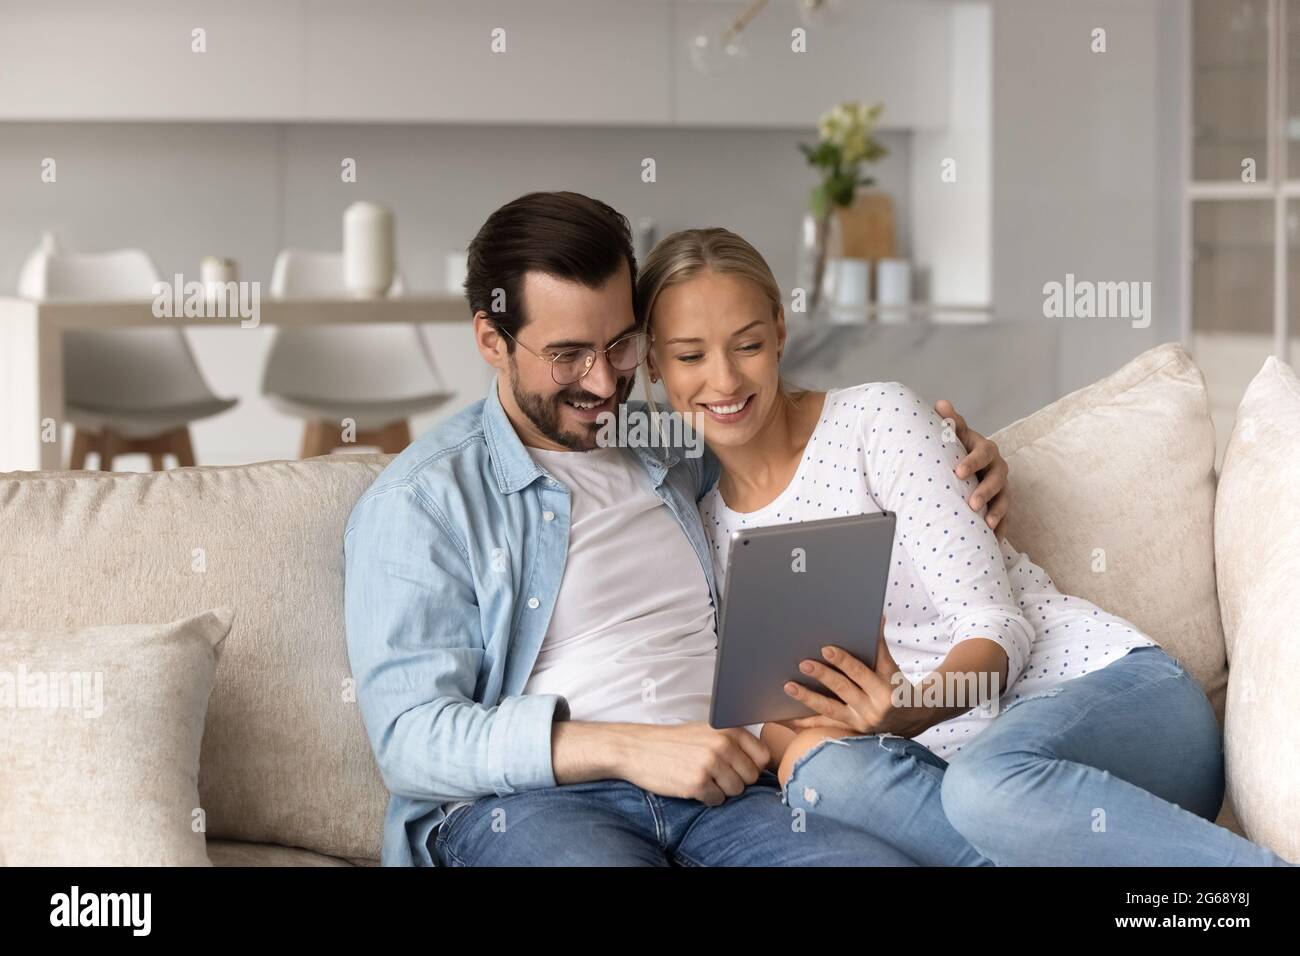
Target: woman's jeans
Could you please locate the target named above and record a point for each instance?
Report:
(1119, 767)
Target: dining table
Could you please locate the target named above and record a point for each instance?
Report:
(31, 351)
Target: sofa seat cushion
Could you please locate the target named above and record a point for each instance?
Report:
(241, 853)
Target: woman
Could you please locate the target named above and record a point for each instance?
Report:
(1105, 751)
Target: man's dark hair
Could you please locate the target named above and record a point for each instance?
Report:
(562, 234)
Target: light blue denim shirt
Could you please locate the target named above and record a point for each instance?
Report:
(454, 558)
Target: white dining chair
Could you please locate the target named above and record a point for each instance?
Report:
(376, 375)
(125, 390)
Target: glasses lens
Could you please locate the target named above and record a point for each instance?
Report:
(629, 352)
(570, 366)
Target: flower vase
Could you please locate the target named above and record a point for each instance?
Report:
(820, 240)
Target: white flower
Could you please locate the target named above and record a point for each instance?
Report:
(849, 126)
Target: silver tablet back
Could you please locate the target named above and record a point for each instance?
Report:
(790, 590)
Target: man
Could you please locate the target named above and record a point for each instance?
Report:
(530, 618)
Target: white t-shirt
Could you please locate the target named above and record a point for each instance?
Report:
(632, 635)
(878, 447)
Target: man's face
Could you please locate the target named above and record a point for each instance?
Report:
(562, 316)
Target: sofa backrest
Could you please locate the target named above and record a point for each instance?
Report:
(285, 756)
(1122, 469)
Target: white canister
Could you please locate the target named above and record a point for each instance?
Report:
(367, 250)
(894, 290)
(849, 288)
(457, 271)
(215, 273)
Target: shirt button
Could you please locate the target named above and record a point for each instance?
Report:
(533, 602)
(548, 515)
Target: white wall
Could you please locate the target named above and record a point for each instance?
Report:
(1086, 153)
(952, 230)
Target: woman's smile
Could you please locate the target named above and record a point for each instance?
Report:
(729, 411)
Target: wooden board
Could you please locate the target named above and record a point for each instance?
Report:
(868, 226)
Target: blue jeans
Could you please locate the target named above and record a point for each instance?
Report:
(615, 823)
(1120, 767)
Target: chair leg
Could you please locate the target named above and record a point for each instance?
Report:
(389, 439)
(110, 446)
(394, 437)
(308, 440)
(181, 447)
(82, 445)
(322, 438)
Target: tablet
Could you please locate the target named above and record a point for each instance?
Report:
(791, 589)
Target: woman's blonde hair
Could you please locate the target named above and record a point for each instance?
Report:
(682, 256)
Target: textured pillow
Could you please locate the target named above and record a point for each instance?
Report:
(1113, 494)
(1257, 546)
(100, 730)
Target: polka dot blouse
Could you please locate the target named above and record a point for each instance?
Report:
(879, 447)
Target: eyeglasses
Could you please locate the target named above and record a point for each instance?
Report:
(572, 365)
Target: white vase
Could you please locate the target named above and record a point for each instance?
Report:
(368, 242)
(456, 271)
(815, 247)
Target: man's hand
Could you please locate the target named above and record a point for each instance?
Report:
(692, 760)
(982, 459)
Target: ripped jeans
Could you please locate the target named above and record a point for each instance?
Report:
(1119, 767)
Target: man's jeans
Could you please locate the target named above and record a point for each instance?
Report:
(1120, 767)
(615, 823)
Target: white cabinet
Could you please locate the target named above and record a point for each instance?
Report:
(892, 51)
(1244, 194)
(588, 62)
(136, 60)
(572, 61)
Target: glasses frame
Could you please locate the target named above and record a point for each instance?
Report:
(594, 354)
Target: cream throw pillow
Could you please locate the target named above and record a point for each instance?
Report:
(1257, 545)
(100, 730)
(1113, 495)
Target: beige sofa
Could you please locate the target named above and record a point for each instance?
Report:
(1114, 494)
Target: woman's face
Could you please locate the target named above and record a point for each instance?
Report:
(715, 348)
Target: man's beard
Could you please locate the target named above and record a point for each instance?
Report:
(545, 413)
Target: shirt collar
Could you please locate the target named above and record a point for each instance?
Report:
(516, 469)
(513, 466)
